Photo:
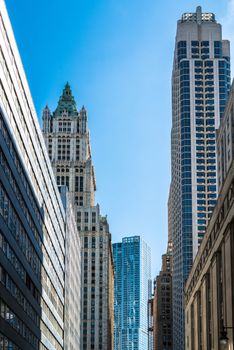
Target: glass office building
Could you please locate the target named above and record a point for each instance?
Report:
(200, 87)
(32, 218)
(132, 262)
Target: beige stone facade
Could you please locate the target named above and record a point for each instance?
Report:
(67, 139)
(209, 291)
(162, 308)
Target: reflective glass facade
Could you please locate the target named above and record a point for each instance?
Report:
(132, 292)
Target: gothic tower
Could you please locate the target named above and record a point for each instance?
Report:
(67, 139)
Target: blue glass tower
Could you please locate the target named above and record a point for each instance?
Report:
(132, 262)
(200, 86)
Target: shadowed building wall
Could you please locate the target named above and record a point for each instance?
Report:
(163, 305)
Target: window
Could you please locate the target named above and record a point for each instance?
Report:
(86, 242)
(93, 217)
(205, 43)
(79, 184)
(86, 220)
(217, 49)
(78, 217)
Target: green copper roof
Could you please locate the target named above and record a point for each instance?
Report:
(66, 103)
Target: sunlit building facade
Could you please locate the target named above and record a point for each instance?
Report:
(67, 139)
(132, 261)
(72, 309)
(32, 217)
(209, 290)
(200, 86)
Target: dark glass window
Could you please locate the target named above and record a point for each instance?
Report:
(205, 43)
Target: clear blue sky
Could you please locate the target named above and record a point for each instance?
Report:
(117, 56)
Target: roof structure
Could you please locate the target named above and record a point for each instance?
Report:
(66, 103)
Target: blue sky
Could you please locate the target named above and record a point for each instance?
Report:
(117, 56)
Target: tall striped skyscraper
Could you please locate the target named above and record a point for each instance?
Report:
(200, 86)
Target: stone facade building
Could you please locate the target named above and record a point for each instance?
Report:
(151, 323)
(209, 291)
(162, 326)
(72, 307)
(67, 139)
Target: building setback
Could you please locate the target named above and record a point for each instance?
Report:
(132, 262)
(209, 290)
(200, 86)
(32, 218)
(67, 139)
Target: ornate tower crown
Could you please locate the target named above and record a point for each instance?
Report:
(66, 104)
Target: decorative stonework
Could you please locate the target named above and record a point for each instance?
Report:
(67, 139)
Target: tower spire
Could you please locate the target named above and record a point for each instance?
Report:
(66, 103)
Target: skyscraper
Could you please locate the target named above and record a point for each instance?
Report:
(67, 138)
(132, 262)
(200, 86)
(32, 217)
